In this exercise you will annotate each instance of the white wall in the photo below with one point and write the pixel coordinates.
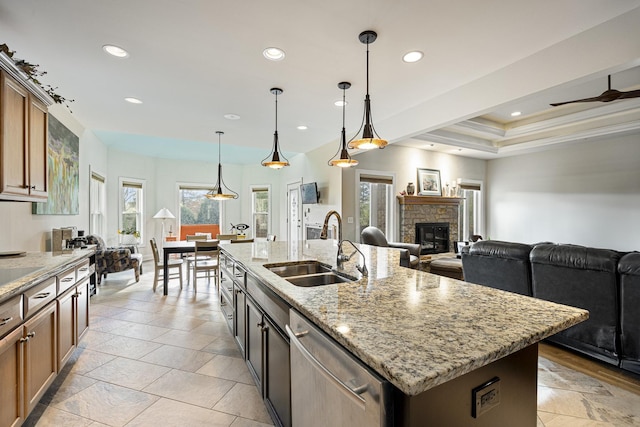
(586, 194)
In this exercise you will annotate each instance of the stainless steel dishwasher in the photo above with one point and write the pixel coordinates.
(329, 386)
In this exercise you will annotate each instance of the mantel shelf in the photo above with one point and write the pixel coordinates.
(429, 200)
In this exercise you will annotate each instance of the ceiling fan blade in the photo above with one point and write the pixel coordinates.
(595, 98)
(630, 94)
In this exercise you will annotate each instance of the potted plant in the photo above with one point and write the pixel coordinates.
(129, 236)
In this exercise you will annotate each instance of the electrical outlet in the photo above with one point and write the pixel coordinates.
(485, 397)
(350, 220)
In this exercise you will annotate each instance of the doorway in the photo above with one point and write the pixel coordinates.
(294, 213)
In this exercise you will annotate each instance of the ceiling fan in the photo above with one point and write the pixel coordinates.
(606, 96)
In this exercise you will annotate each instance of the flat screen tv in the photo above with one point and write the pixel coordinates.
(309, 193)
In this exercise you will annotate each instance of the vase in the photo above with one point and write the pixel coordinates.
(411, 189)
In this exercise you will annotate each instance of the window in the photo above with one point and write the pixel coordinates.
(261, 209)
(131, 208)
(97, 205)
(195, 208)
(376, 202)
(471, 213)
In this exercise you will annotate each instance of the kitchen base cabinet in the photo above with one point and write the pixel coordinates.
(66, 327)
(11, 379)
(81, 308)
(277, 381)
(40, 355)
(239, 318)
(255, 345)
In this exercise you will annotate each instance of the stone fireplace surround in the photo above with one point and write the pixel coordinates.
(417, 209)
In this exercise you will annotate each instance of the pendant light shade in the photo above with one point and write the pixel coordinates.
(275, 159)
(370, 138)
(342, 158)
(218, 192)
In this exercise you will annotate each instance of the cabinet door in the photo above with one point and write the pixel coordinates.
(37, 148)
(254, 345)
(13, 139)
(40, 359)
(11, 379)
(239, 327)
(277, 382)
(81, 308)
(66, 327)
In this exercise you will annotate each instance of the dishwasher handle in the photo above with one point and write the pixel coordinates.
(353, 394)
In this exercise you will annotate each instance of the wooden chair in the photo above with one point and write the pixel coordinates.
(210, 250)
(193, 237)
(174, 264)
(191, 258)
(231, 237)
(242, 241)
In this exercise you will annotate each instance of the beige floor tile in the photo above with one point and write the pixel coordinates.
(180, 322)
(88, 360)
(244, 401)
(188, 387)
(224, 345)
(53, 417)
(105, 324)
(72, 384)
(169, 413)
(106, 310)
(93, 338)
(108, 403)
(184, 359)
(185, 339)
(243, 422)
(128, 373)
(140, 331)
(218, 329)
(127, 347)
(135, 316)
(555, 420)
(228, 368)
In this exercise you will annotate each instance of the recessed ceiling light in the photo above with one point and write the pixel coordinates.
(413, 56)
(273, 54)
(340, 103)
(516, 113)
(231, 116)
(302, 127)
(133, 100)
(115, 51)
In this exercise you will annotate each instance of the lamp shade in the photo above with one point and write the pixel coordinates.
(164, 213)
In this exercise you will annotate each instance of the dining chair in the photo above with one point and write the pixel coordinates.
(174, 264)
(231, 237)
(210, 249)
(190, 259)
(193, 237)
(242, 241)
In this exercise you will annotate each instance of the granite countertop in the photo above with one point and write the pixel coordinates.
(415, 329)
(18, 274)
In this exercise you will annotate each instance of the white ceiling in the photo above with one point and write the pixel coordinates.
(193, 61)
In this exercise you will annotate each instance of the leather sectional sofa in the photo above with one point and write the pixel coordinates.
(603, 281)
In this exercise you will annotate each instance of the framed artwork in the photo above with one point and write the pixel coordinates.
(64, 176)
(429, 182)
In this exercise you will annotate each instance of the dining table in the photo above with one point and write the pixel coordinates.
(177, 247)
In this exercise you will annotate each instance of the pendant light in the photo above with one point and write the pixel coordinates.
(344, 160)
(370, 138)
(275, 154)
(216, 192)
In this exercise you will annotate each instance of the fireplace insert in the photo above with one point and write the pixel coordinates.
(433, 237)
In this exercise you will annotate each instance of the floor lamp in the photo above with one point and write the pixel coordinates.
(163, 214)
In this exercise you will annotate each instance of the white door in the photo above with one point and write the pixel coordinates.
(294, 216)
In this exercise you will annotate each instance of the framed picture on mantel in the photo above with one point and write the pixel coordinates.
(429, 182)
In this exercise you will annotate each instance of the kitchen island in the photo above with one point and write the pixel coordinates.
(429, 336)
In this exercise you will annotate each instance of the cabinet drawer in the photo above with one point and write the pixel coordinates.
(10, 314)
(39, 296)
(66, 280)
(82, 271)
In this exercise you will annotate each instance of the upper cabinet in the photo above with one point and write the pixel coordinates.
(23, 136)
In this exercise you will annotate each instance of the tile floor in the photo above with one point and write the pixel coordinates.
(150, 360)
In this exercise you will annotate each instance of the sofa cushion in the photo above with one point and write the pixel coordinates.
(498, 264)
(586, 278)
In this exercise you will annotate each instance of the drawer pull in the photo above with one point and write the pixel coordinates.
(67, 279)
(31, 334)
(223, 303)
(83, 269)
(23, 339)
(6, 320)
(42, 295)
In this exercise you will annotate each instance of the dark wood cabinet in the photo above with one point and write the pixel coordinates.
(277, 378)
(12, 374)
(239, 317)
(255, 345)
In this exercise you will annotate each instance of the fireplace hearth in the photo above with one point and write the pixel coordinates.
(433, 237)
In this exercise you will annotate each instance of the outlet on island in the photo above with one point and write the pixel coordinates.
(485, 397)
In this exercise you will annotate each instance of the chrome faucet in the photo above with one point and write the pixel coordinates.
(341, 257)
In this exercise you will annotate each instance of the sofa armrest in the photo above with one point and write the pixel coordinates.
(413, 248)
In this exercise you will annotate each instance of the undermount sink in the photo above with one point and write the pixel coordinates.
(307, 274)
(299, 269)
(318, 279)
